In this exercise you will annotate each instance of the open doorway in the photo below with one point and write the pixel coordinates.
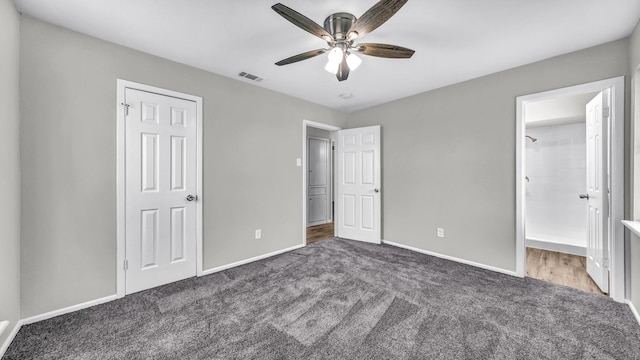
(320, 189)
(569, 186)
(556, 218)
(318, 181)
(357, 182)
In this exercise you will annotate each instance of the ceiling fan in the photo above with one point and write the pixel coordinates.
(340, 31)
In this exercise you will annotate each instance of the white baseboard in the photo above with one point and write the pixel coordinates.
(551, 246)
(10, 338)
(633, 310)
(451, 258)
(68, 309)
(3, 326)
(247, 261)
(49, 315)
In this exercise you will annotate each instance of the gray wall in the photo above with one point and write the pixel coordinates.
(449, 155)
(324, 134)
(252, 138)
(10, 165)
(633, 247)
(448, 159)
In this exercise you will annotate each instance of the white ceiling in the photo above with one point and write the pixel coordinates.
(455, 40)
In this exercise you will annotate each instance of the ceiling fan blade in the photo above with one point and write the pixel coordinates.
(302, 21)
(343, 70)
(377, 15)
(384, 50)
(300, 57)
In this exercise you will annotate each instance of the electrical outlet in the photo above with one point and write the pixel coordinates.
(258, 234)
(440, 232)
(298, 162)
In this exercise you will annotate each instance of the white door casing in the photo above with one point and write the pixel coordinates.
(358, 210)
(318, 181)
(597, 190)
(161, 223)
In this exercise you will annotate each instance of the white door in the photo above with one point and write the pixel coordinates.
(160, 176)
(358, 214)
(597, 191)
(317, 181)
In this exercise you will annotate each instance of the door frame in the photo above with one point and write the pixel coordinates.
(616, 263)
(121, 86)
(317, 125)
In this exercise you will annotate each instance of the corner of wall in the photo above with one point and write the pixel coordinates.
(10, 305)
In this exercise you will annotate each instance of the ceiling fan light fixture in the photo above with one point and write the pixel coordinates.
(332, 67)
(340, 31)
(335, 55)
(353, 61)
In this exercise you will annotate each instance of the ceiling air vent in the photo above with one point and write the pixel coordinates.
(250, 76)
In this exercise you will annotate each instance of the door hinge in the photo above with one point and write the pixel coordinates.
(605, 263)
(126, 108)
(606, 112)
(126, 265)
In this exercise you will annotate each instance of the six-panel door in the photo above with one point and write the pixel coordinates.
(160, 174)
(317, 181)
(597, 190)
(359, 210)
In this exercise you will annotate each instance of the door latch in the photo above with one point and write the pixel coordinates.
(192, 197)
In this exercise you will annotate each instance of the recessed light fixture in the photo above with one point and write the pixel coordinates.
(346, 96)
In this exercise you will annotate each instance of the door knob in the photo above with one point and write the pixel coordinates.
(376, 190)
(584, 196)
(192, 197)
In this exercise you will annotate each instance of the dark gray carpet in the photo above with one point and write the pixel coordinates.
(340, 299)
